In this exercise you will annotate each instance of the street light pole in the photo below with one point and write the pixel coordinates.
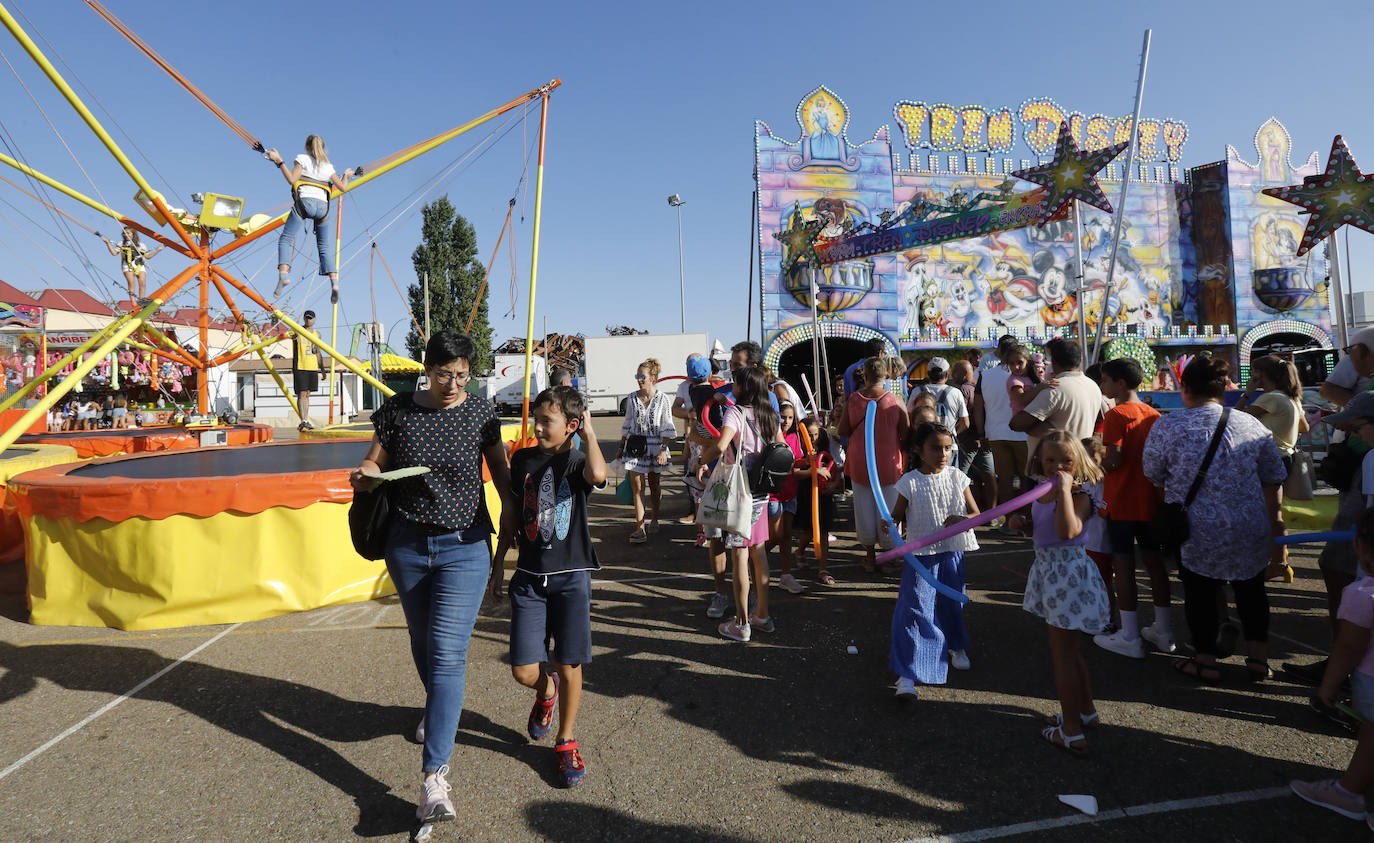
(677, 202)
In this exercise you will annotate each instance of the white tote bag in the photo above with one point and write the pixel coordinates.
(725, 502)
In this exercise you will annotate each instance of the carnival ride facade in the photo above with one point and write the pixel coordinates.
(206, 536)
(906, 239)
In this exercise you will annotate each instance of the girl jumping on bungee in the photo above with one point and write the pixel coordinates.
(310, 176)
(133, 256)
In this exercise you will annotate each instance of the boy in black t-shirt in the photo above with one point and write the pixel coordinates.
(550, 592)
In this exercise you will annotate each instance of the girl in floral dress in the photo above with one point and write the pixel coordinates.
(1064, 587)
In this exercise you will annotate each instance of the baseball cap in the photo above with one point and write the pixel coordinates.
(938, 364)
(309, 314)
(1359, 407)
(698, 368)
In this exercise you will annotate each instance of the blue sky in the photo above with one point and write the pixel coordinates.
(657, 99)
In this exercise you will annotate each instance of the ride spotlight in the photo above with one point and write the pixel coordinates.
(218, 211)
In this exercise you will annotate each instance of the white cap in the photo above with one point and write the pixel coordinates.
(938, 364)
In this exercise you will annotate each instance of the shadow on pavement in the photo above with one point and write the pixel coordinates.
(571, 821)
(242, 704)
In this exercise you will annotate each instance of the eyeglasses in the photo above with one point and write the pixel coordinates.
(1346, 351)
(446, 378)
(641, 377)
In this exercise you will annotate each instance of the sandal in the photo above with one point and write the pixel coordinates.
(824, 578)
(1071, 743)
(1258, 675)
(1057, 719)
(541, 713)
(1207, 674)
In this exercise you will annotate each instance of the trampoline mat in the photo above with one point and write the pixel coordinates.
(17, 453)
(231, 462)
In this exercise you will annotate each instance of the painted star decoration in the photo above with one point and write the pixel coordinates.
(1340, 195)
(1071, 175)
(799, 240)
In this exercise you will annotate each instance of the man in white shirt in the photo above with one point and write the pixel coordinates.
(950, 408)
(1073, 403)
(992, 417)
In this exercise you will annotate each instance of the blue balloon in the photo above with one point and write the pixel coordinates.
(1316, 538)
(886, 514)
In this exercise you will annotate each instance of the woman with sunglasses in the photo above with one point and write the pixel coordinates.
(648, 422)
(438, 551)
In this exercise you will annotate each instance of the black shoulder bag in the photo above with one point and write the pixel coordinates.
(1170, 524)
(369, 518)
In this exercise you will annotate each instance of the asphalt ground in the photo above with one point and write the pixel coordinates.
(297, 727)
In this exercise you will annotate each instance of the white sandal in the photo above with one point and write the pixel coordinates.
(1055, 735)
(1057, 719)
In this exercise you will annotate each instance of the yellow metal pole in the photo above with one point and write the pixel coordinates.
(332, 352)
(534, 268)
(333, 340)
(92, 204)
(334, 318)
(80, 108)
(439, 140)
(281, 384)
(74, 379)
(47, 373)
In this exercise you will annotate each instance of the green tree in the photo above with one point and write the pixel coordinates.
(448, 253)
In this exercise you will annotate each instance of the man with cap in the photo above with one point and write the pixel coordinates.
(305, 369)
(1352, 373)
(951, 410)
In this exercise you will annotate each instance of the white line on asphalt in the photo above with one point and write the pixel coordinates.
(1105, 816)
(114, 702)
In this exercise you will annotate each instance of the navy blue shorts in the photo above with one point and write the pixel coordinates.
(557, 607)
(1124, 536)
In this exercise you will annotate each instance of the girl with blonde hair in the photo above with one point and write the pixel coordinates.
(311, 176)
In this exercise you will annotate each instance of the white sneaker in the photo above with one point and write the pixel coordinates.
(1118, 643)
(435, 806)
(790, 584)
(420, 729)
(731, 629)
(958, 659)
(1325, 794)
(906, 689)
(1161, 638)
(719, 603)
(762, 624)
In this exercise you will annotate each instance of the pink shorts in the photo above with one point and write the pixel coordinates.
(759, 533)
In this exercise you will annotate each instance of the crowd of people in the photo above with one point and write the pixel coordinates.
(1105, 484)
(110, 411)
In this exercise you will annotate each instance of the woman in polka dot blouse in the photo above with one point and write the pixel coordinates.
(438, 551)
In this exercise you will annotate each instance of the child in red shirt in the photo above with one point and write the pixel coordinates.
(1131, 501)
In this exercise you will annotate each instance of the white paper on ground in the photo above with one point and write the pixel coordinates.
(1081, 801)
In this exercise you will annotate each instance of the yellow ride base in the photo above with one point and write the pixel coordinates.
(143, 574)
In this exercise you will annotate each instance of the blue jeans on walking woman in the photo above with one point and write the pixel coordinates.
(440, 580)
(319, 211)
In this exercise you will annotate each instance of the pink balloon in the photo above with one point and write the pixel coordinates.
(967, 524)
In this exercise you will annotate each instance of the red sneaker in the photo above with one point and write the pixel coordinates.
(571, 768)
(541, 715)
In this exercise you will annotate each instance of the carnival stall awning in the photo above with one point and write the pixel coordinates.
(396, 364)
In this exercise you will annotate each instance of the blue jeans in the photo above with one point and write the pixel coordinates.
(319, 211)
(440, 580)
